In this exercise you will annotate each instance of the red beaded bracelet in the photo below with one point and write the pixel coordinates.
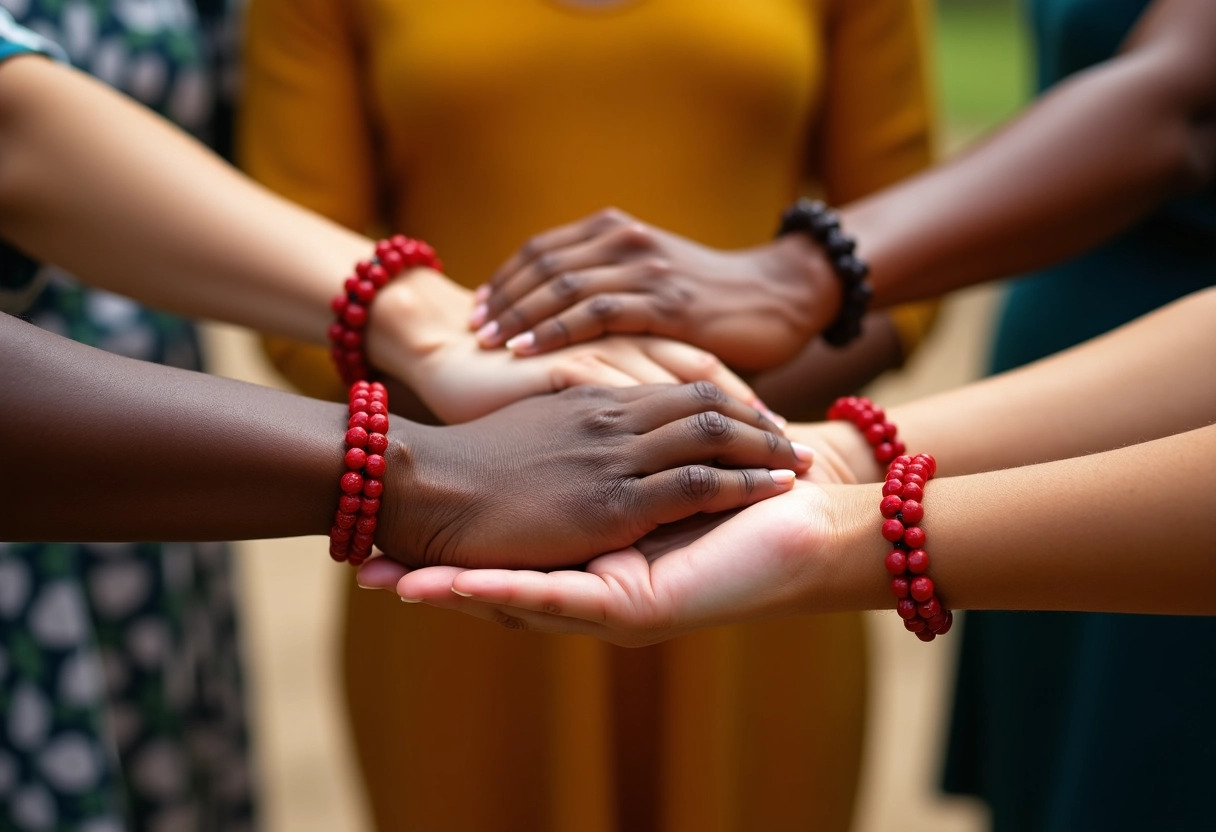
(871, 420)
(354, 529)
(393, 256)
(902, 509)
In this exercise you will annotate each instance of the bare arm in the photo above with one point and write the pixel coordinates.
(1094, 155)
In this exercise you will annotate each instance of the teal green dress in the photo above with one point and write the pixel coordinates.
(1067, 722)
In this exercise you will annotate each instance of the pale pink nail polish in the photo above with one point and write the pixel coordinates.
(522, 342)
(479, 315)
(488, 333)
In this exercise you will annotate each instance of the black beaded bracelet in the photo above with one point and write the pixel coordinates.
(823, 224)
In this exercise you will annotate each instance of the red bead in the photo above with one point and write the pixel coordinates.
(338, 553)
(349, 284)
(918, 469)
(357, 560)
(928, 609)
(896, 563)
(367, 525)
(376, 407)
(899, 446)
(912, 491)
(926, 635)
(355, 315)
(339, 304)
(890, 505)
(335, 331)
(378, 275)
(344, 520)
(377, 387)
(337, 533)
(374, 464)
(393, 261)
(352, 482)
(356, 458)
(906, 609)
(362, 267)
(914, 537)
(349, 503)
(914, 478)
(929, 462)
(937, 621)
(369, 505)
(382, 248)
(357, 438)
(358, 420)
(921, 588)
(941, 631)
(892, 530)
(365, 291)
(899, 587)
(864, 419)
(359, 405)
(378, 423)
(875, 433)
(918, 561)
(362, 541)
(892, 487)
(896, 472)
(914, 625)
(373, 488)
(377, 443)
(889, 430)
(884, 452)
(912, 511)
(352, 339)
(399, 241)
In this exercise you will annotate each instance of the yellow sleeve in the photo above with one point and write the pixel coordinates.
(304, 132)
(879, 114)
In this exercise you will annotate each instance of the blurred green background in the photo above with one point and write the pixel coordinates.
(983, 64)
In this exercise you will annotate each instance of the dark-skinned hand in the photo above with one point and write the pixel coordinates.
(556, 480)
(753, 308)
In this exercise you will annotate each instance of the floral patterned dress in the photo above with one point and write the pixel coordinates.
(120, 686)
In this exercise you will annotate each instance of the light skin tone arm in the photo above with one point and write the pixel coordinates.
(1120, 530)
(99, 447)
(137, 207)
(1093, 156)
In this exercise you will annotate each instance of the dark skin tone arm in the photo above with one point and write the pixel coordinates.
(98, 447)
(1095, 155)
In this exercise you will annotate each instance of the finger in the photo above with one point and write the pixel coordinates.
(583, 370)
(555, 238)
(567, 288)
(711, 437)
(574, 594)
(670, 404)
(602, 250)
(627, 357)
(682, 492)
(432, 584)
(626, 313)
(689, 363)
(380, 573)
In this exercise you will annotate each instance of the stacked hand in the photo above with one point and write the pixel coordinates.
(609, 273)
(557, 480)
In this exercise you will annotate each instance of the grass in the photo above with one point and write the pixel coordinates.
(983, 62)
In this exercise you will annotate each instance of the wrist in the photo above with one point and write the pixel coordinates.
(405, 327)
(853, 577)
(799, 256)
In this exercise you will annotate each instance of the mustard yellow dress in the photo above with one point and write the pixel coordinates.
(475, 124)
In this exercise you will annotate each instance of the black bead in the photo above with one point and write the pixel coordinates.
(838, 243)
(824, 222)
(851, 268)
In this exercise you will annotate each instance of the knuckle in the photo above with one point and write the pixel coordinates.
(635, 236)
(603, 307)
(611, 217)
(699, 482)
(774, 441)
(655, 268)
(548, 264)
(532, 247)
(604, 421)
(712, 426)
(707, 392)
(566, 284)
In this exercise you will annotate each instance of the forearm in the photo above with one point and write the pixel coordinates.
(98, 447)
(109, 191)
(1054, 536)
(1088, 160)
(1149, 379)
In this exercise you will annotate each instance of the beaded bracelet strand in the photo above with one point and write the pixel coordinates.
(902, 509)
(823, 225)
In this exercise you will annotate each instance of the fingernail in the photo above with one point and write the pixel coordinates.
(482, 294)
(479, 315)
(411, 600)
(782, 476)
(462, 594)
(804, 453)
(522, 342)
(487, 334)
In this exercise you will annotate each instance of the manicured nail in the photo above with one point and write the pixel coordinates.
(479, 315)
(782, 476)
(522, 342)
(482, 294)
(803, 452)
(487, 335)
(411, 600)
(462, 594)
